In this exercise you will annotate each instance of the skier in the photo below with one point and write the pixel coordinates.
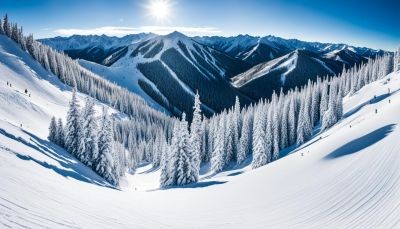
(26, 91)
(376, 111)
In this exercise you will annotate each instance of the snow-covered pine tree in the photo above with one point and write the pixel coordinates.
(245, 138)
(315, 104)
(170, 159)
(104, 163)
(236, 125)
(229, 135)
(196, 138)
(88, 151)
(60, 133)
(292, 123)
(269, 138)
(185, 173)
(304, 128)
(164, 167)
(1, 28)
(397, 60)
(73, 126)
(324, 100)
(260, 157)
(218, 155)
(205, 157)
(284, 124)
(53, 130)
(339, 105)
(6, 26)
(330, 116)
(275, 127)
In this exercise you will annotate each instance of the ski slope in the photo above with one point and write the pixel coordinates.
(343, 178)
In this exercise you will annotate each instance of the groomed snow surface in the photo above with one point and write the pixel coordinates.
(343, 178)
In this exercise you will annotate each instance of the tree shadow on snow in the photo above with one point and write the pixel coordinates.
(361, 142)
(68, 165)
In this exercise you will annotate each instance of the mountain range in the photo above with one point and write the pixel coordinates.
(168, 70)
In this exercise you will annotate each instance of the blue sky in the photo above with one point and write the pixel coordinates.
(374, 24)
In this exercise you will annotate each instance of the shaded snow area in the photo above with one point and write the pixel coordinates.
(345, 177)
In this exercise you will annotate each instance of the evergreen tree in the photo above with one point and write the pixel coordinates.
(324, 100)
(284, 125)
(104, 163)
(88, 151)
(304, 129)
(165, 173)
(269, 138)
(196, 138)
(236, 125)
(218, 159)
(6, 26)
(185, 173)
(260, 157)
(275, 128)
(73, 126)
(53, 130)
(1, 28)
(292, 121)
(330, 116)
(245, 140)
(229, 141)
(60, 133)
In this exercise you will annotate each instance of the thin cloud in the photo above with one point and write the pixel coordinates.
(121, 31)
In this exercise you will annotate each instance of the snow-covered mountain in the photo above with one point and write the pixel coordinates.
(256, 50)
(345, 177)
(93, 47)
(346, 55)
(152, 65)
(289, 71)
(170, 69)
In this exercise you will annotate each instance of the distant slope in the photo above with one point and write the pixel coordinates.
(93, 47)
(289, 71)
(256, 50)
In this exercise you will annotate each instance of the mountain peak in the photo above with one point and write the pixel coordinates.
(176, 34)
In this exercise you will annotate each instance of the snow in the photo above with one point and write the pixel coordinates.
(324, 65)
(347, 177)
(288, 62)
(92, 41)
(126, 76)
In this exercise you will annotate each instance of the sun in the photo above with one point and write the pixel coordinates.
(160, 9)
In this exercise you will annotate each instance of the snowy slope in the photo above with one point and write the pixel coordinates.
(347, 177)
(126, 76)
(49, 97)
(287, 72)
(93, 47)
